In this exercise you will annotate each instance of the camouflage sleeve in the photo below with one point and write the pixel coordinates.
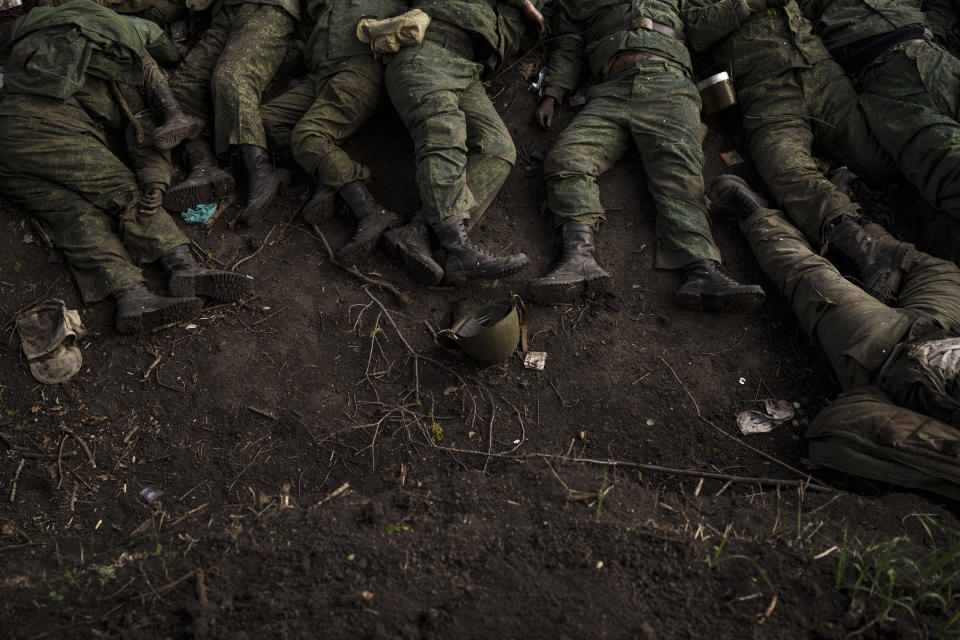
(708, 21)
(567, 64)
(813, 9)
(941, 17)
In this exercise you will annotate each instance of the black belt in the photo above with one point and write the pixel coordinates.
(857, 56)
(642, 23)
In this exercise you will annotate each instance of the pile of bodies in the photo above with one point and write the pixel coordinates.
(866, 82)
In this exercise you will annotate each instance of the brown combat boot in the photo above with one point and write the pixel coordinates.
(372, 220)
(263, 180)
(206, 183)
(175, 126)
(576, 273)
(880, 258)
(707, 288)
(187, 278)
(139, 309)
(466, 260)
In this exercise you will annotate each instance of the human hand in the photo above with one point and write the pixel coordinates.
(533, 16)
(546, 111)
(150, 202)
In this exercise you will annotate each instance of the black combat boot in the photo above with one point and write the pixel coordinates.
(372, 220)
(263, 182)
(731, 194)
(187, 278)
(410, 244)
(320, 206)
(708, 289)
(138, 309)
(577, 271)
(466, 260)
(206, 183)
(175, 126)
(880, 258)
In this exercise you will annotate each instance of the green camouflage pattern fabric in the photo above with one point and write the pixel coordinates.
(911, 99)
(290, 7)
(488, 19)
(315, 117)
(228, 70)
(857, 332)
(442, 102)
(334, 31)
(843, 22)
(56, 166)
(582, 42)
(656, 107)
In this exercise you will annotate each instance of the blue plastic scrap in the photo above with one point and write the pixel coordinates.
(199, 214)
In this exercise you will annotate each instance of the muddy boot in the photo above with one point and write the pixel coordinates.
(842, 178)
(577, 271)
(187, 278)
(372, 220)
(411, 245)
(206, 183)
(263, 180)
(466, 260)
(139, 309)
(176, 126)
(880, 258)
(320, 206)
(707, 288)
(731, 194)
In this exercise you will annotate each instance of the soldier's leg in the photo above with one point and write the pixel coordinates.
(856, 332)
(191, 81)
(491, 153)
(282, 114)
(780, 139)
(912, 103)
(932, 286)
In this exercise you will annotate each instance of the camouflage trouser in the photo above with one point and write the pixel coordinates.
(60, 170)
(232, 64)
(912, 101)
(856, 332)
(789, 115)
(321, 112)
(655, 106)
(463, 149)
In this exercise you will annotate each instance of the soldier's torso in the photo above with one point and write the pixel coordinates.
(843, 22)
(334, 34)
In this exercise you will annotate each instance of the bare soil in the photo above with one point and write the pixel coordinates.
(308, 491)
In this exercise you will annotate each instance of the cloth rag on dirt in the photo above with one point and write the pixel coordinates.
(48, 336)
(199, 214)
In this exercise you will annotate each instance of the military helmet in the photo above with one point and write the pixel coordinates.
(489, 333)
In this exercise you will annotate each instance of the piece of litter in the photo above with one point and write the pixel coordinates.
(731, 158)
(199, 213)
(779, 409)
(577, 100)
(535, 360)
(599, 564)
(517, 441)
(150, 493)
(776, 413)
(190, 326)
(743, 381)
(650, 422)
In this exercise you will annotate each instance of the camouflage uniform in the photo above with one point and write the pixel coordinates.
(56, 163)
(793, 97)
(869, 345)
(464, 152)
(159, 11)
(341, 92)
(651, 103)
(909, 89)
(232, 65)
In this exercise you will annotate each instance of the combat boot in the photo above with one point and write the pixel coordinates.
(263, 180)
(880, 258)
(187, 278)
(707, 288)
(175, 126)
(411, 245)
(320, 206)
(731, 194)
(577, 271)
(465, 260)
(139, 309)
(372, 220)
(206, 183)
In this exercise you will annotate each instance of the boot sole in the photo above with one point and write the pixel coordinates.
(423, 269)
(564, 291)
(255, 210)
(178, 310)
(357, 250)
(742, 302)
(221, 286)
(170, 138)
(180, 198)
(459, 277)
(320, 210)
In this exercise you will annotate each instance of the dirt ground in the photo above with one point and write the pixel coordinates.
(328, 471)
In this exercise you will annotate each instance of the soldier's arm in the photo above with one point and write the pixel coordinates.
(568, 62)
(708, 21)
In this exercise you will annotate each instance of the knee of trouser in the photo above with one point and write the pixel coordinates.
(228, 78)
(498, 147)
(306, 139)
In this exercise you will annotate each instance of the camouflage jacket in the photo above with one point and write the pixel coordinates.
(843, 22)
(290, 6)
(754, 44)
(584, 39)
(498, 22)
(334, 27)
